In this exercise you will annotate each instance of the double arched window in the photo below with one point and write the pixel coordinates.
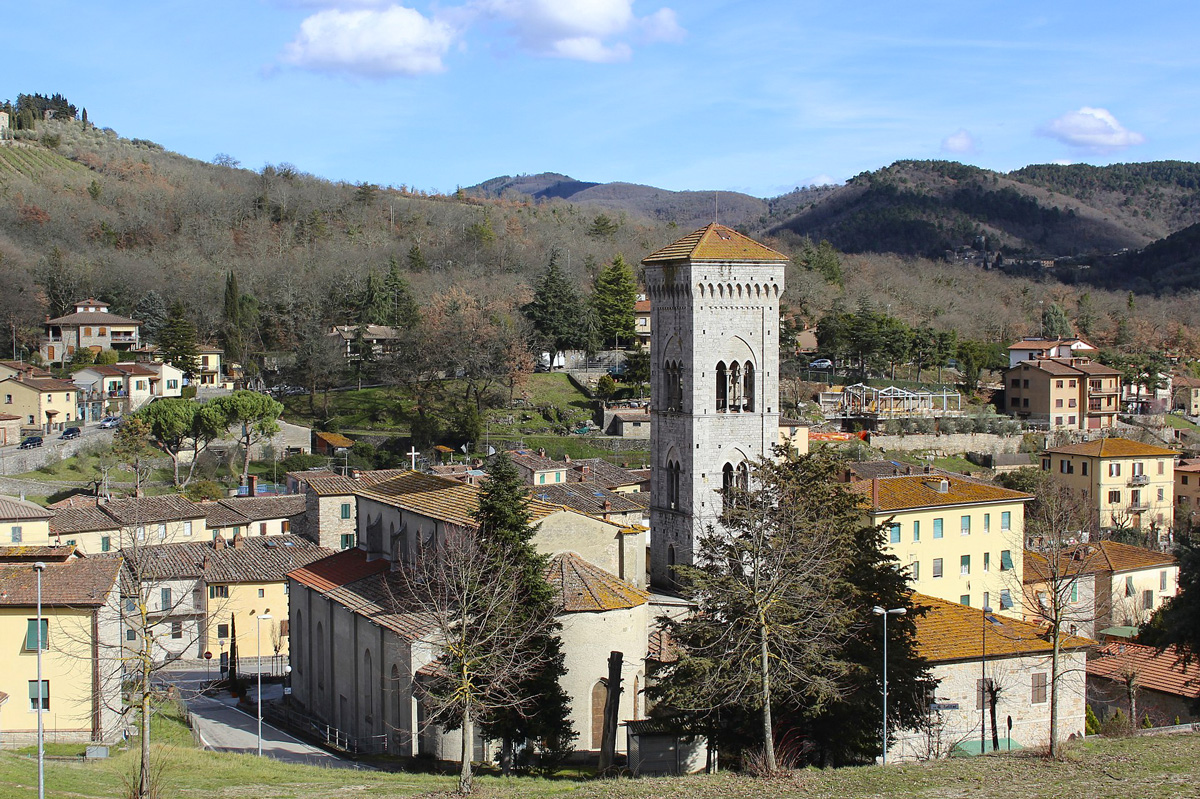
(672, 386)
(672, 474)
(735, 482)
(735, 387)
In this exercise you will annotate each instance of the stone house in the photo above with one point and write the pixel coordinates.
(1162, 685)
(89, 326)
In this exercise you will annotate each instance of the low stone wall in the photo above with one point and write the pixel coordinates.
(955, 443)
(18, 461)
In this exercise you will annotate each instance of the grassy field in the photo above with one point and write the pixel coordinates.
(1178, 422)
(1158, 767)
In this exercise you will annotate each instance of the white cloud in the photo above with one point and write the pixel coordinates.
(822, 180)
(1092, 129)
(377, 43)
(1062, 162)
(960, 142)
(580, 29)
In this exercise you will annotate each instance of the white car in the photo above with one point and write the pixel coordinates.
(821, 363)
(110, 421)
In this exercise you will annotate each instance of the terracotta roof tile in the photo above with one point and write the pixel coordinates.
(586, 498)
(1113, 448)
(25, 368)
(606, 474)
(218, 515)
(908, 492)
(151, 510)
(80, 500)
(79, 581)
(43, 384)
(340, 569)
(438, 498)
(535, 462)
(34, 552)
(715, 242)
(586, 588)
(336, 440)
(270, 506)
(81, 519)
(92, 317)
(948, 631)
(260, 559)
(1093, 558)
(13, 509)
(1163, 671)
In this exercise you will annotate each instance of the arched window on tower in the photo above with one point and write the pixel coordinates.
(722, 388)
(743, 477)
(748, 387)
(727, 485)
(678, 387)
(735, 387)
(671, 564)
(673, 472)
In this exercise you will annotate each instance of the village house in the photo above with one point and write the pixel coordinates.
(607, 475)
(1073, 584)
(1160, 685)
(379, 339)
(133, 521)
(90, 326)
(1126, 484)
(1063, 393)
(956, 536)
(1185, 395)
(23, 523)
(641, 322)
(356, 656)
(80, 638)
(41, 402)
(969, 649)
(10, 429)
(1187, 492)
(1036, 348)
(589, 498)
(331, 444)
(330, 516)
(21, 369)
(538, 470)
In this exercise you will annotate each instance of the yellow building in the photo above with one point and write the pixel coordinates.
(23, 523)
(80, 630)
(109, 525)
(1187, 492)
(1126, 484)
(1064, 393)
(41, 402)
(960, 539)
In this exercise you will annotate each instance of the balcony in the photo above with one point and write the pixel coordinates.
(1139, 480)
(1141, 506)
(124, 338)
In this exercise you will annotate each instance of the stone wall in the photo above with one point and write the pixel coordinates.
(18, 461)
(954, 443)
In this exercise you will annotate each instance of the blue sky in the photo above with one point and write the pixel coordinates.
(682, 94)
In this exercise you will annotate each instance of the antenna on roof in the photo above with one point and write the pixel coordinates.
(716, 206)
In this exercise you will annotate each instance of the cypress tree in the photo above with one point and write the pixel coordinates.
(504, 528)
(231, 322)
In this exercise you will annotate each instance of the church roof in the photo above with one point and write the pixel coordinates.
(715, 242)
(586, 588)
(439, 498)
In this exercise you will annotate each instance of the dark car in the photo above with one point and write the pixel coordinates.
(72, 432)
(31, 442)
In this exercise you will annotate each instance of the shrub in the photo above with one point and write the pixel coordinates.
(1091, 724)
(201, 490)
(1115, 725)
(303, 461)
(107, 357)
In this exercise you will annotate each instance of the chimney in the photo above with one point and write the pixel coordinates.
(585, 473)
(566, 458)
(207, 564)
(219, 543)
(541, 452)
(908, 470)
(607, 506)
(252, 485)
(239, 542)
(926, 468)
(874, 493)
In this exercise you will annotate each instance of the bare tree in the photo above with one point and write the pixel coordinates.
(471, 602)
(1058, 575)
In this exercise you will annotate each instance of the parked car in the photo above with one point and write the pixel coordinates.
(110, 422)
(30, 442)
(821, 363)
(71, 432)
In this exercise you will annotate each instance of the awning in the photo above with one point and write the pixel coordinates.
(1120, 632)
(971, 748)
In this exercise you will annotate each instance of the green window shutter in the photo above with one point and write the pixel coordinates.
(1006, 560)
(31, 640)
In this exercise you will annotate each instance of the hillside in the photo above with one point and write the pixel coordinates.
(923, 208)
(1166, 266)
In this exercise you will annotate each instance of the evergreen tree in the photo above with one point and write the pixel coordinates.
(373, 303)
(506, 534)
(177, 341)
(1085, 313)
(556, 310)
(151, 311)
(613, 297)
(416, 260)
(231, 320)
(1055, 323)
(403, 311)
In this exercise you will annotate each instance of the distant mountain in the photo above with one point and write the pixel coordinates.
(1167, 266)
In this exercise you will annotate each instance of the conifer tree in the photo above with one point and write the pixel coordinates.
(506, 534)
(373, 304)
(613, 297)
(177, 341)
(231, 320)
(416, 259)
(556, 310)
(403, 311)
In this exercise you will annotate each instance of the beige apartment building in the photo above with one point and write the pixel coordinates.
(1063, 393)
(960, 539)
(41, 402)
(1126, 484)
(90, 326)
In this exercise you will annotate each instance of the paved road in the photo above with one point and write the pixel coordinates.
(225, 728)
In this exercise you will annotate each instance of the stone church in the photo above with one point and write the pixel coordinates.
(715, 384)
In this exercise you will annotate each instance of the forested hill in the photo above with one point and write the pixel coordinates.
(1168, 266)
(928, 207)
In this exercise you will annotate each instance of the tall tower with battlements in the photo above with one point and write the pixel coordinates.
(714, 305)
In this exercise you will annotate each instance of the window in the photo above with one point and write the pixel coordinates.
(1058, 384)
(965, 599)
(103, 331)
(345, 510)
(141, 534)
(1160, 467)
(986, 599)
(262, 528)
(542, 478)
(165, 599)
(987, 562)
(176, 630)
(1161, 496)
(1162, 581)
(1038, 693)
(34, 694)
(286, 526)
(1005, 599)
(937, 567)
(16, 534)
(1057, 421)
(1065, 466)
(937, 528)
(915, 570)
(172, 384)
(916, 531)
(348, 541)
(131, 635)
(1183, 480)
(1045, 464)
(1006, 521)
(1025, 402)
(261, 593)
(284, 627)
(1074, 592)
(1071, 384)
(1148, 599)
(1083, 468)
(31, 635)
(1114, 497)
(1071, 403)
(1005, 560)
(1114, 470)
(1070, 420)
(1015, 383)
(162, 532)
(966, 525)
(218, 592)
(222, 630)
(1129, 590)
(964, 565)
(987, 523)
(187, 528)
(895, 534)
(1014, 401)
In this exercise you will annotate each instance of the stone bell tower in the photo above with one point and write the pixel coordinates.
(714, 374)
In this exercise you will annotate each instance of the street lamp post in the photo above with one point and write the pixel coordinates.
(879, 611)
(983, 684)
(258, 646)
(40, 567)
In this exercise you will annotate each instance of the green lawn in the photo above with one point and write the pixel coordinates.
(1178, 422)
(1158, 767)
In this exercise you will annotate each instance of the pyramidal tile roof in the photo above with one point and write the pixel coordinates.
(1113, 448)
(949, 631)
(715, 242)
(586, 588)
